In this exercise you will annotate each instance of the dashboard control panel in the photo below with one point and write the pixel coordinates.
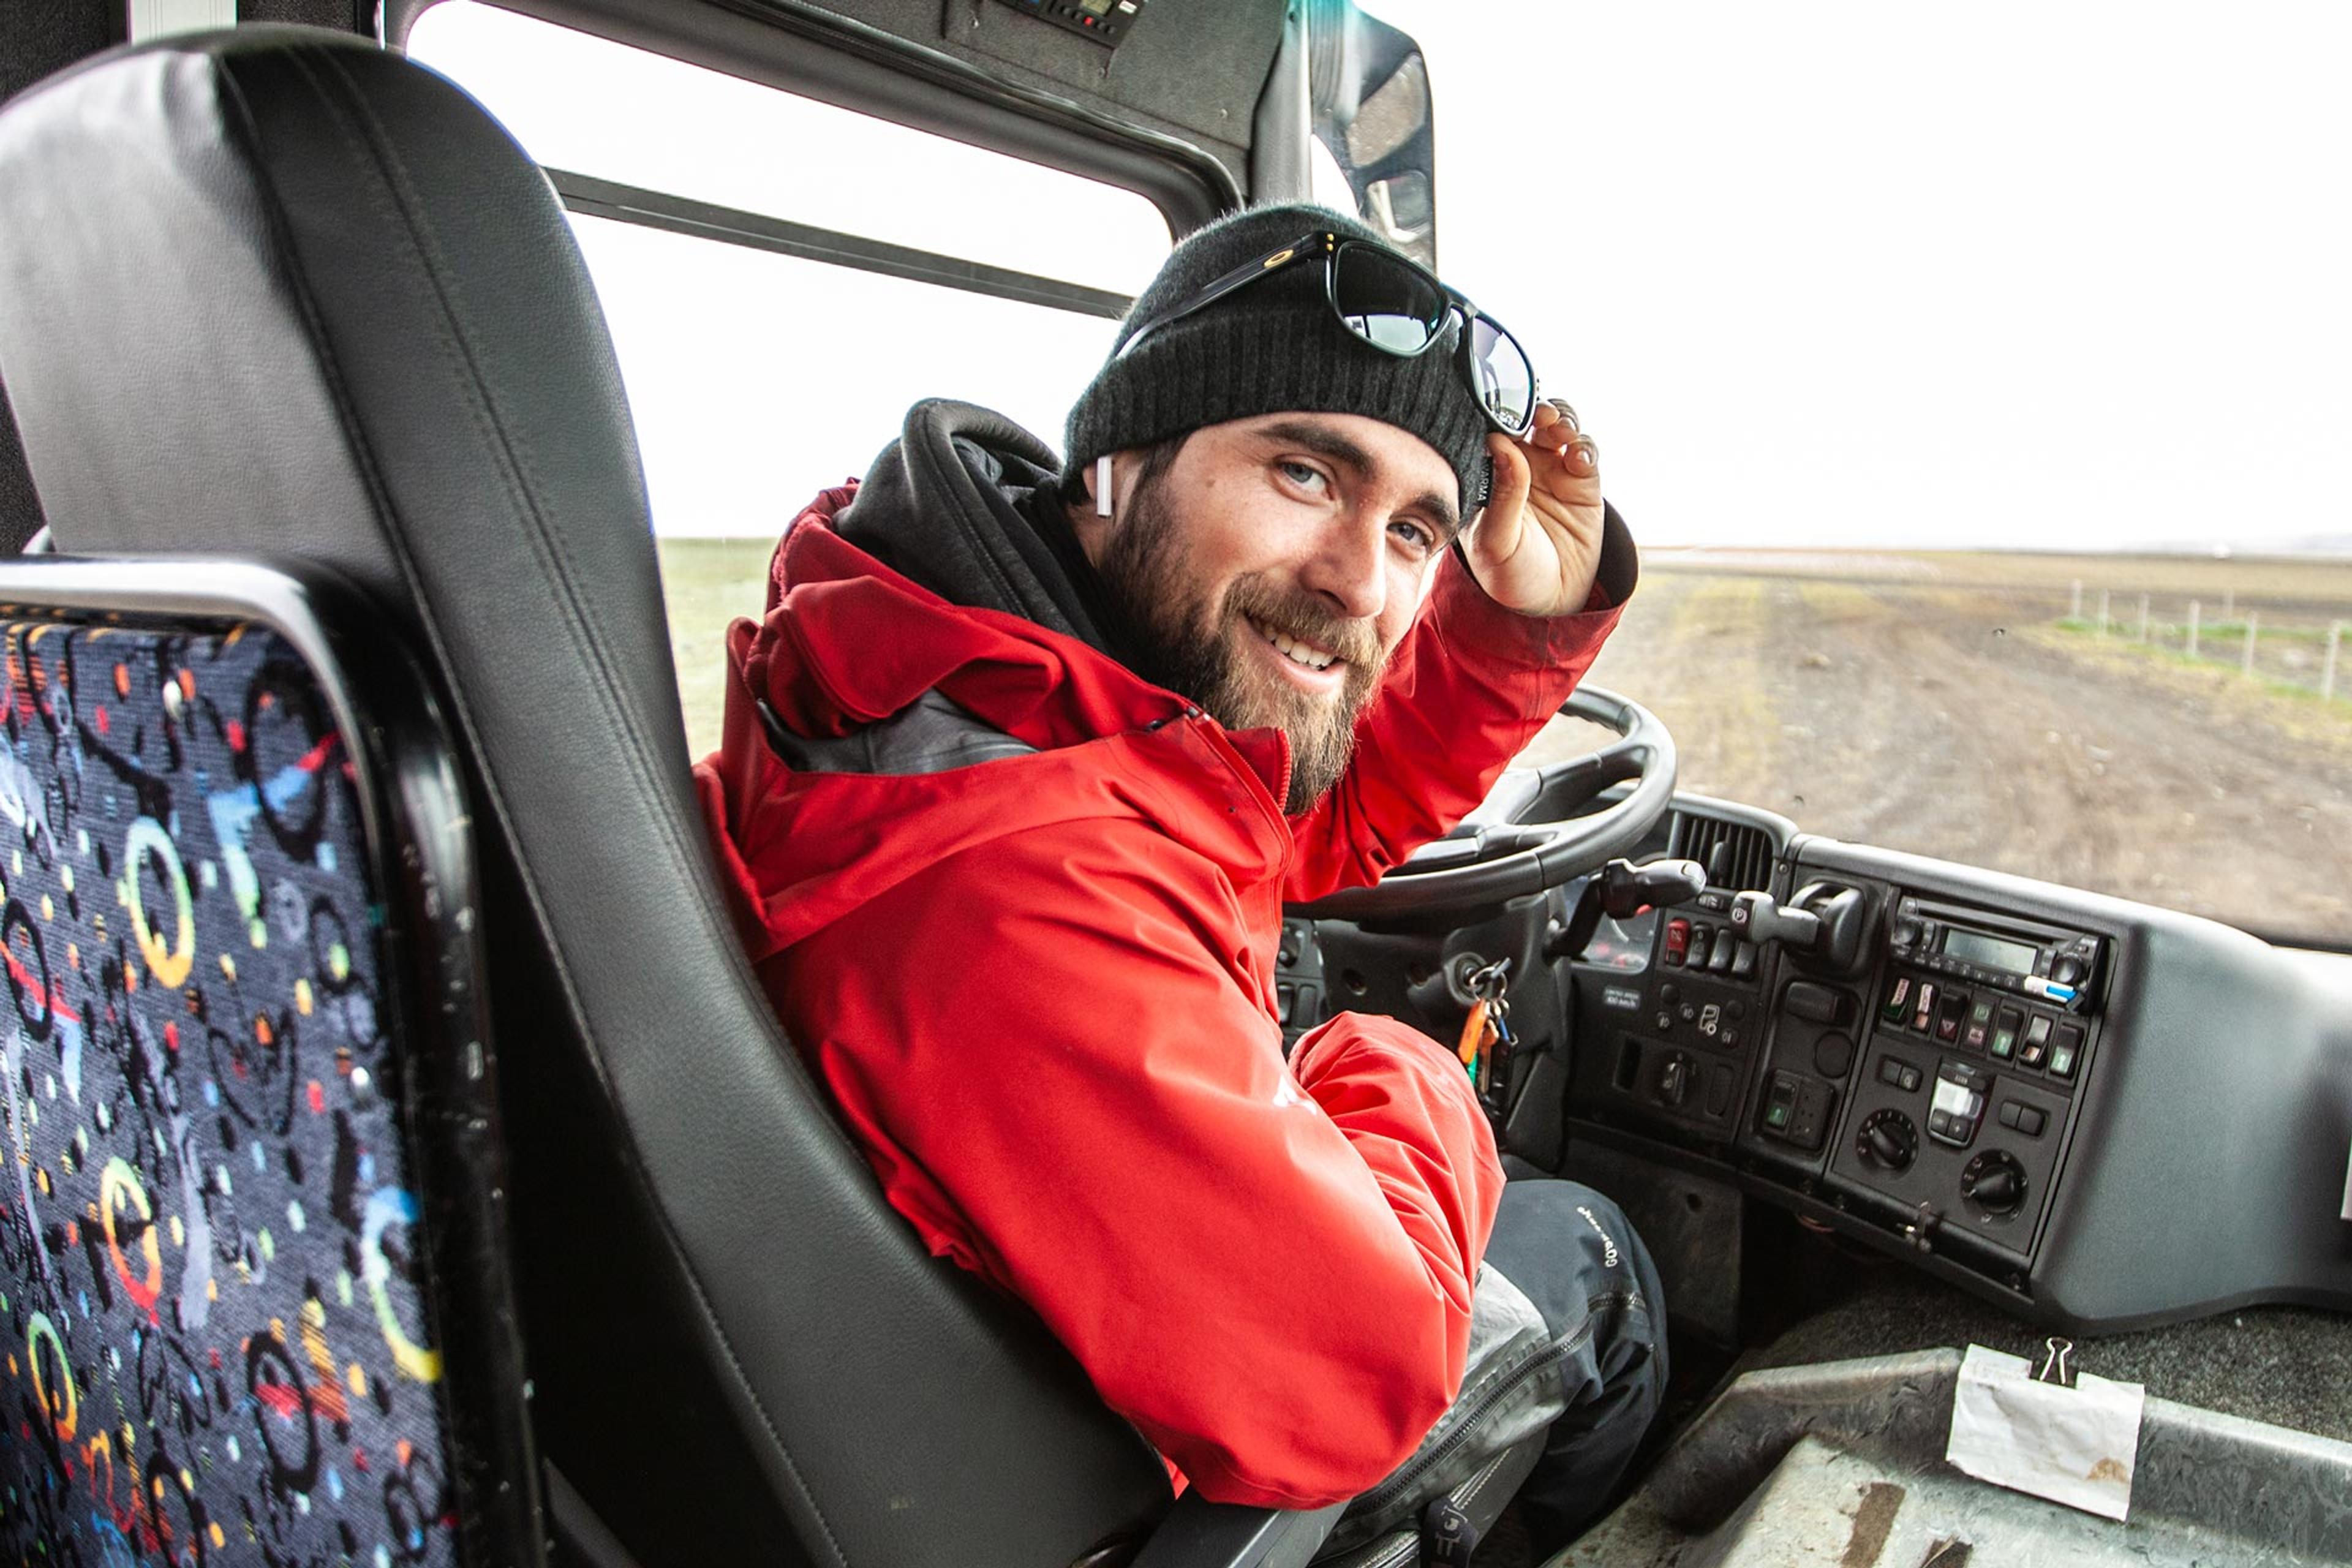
(1684, 1033)
(2008, 1083)
(1909, 1057)
(1934, 1089)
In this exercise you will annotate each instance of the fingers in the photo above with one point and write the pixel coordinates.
(1556, 431)
(1582, 456)
(1497, 532)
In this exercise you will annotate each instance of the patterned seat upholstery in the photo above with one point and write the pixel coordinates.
(225, 1306)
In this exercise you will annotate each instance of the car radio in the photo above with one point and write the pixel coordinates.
(2048, 964)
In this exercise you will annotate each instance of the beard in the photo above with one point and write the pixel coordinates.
(1200, 650)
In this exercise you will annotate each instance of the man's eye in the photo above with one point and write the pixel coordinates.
(1304, 475)
(1419, 538)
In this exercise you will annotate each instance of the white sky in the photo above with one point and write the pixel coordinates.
(2057, 275)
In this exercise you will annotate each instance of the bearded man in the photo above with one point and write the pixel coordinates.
(1019, 770)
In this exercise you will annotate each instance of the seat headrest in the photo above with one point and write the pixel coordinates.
(266, 287)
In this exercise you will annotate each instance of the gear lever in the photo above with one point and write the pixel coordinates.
(1826, 928)
(1621, 889)
(1756, 917)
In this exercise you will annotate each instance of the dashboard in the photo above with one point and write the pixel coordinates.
(2102, 1114)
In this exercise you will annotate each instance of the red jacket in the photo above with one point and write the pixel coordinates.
(1040, 988)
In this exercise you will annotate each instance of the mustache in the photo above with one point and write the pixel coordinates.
(1307, 619)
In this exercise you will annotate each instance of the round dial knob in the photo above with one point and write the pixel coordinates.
(2068, 970)
(1994, 1181)
(1887, 1142)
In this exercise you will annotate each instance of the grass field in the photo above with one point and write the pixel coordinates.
(1947, 704)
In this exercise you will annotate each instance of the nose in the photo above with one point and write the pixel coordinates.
(1349, 567)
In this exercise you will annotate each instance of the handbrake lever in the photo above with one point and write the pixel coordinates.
(1622, 889)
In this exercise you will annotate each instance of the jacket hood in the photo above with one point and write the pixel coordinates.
(964, 503)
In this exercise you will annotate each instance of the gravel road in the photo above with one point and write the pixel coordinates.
(1962, 723)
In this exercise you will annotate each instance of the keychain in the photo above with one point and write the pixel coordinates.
(1488, 1025)
(1478, 1038)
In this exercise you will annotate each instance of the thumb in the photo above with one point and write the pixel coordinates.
(1497, 532)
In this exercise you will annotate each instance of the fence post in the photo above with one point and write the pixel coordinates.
(2075, 613)
(2193, 609)
(2247, 666)
(2143, 618)
(2103, 612)
(2229, 603)
(2327, 670)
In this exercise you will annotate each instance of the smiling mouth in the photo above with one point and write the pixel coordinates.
(1297, 651)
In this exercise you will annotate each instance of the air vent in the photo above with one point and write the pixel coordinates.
(1737, 857)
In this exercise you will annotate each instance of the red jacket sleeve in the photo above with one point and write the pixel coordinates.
(1464, 692)
(1267, 1269)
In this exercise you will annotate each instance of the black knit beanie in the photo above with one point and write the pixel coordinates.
(1269, 347)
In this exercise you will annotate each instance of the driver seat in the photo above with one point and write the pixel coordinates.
(275, 293)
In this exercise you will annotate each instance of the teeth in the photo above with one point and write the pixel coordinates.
(1291, 648)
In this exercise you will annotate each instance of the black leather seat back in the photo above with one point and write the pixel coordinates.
(276, 291)
(250, 1261)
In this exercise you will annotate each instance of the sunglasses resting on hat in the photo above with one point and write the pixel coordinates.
(1398, 307)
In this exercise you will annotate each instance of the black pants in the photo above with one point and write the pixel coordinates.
(1573, 1254)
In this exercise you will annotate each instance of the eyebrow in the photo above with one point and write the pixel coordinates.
(1325, 442)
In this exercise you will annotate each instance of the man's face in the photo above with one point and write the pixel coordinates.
(1273, 565)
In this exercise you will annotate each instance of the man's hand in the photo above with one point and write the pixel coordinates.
(1536, 546)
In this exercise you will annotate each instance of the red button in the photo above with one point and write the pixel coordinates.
(1678, 940)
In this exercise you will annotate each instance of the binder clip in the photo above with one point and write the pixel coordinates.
(2057, 1364)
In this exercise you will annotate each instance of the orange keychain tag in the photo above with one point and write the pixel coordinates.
(1477, 1034)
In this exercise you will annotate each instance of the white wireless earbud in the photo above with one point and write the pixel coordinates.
(1102, 485)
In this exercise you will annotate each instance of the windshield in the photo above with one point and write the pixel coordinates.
(1974, 381)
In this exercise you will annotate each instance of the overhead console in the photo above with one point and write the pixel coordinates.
(2102, 1113)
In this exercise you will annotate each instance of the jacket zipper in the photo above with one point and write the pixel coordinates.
(1380, 1497)
(1405, 1550)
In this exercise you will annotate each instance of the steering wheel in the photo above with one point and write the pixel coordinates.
(1493, 856)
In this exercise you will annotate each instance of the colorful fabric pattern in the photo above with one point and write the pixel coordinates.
(217, 1349)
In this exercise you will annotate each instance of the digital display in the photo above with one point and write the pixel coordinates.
(2017, 957)
(1099, 8)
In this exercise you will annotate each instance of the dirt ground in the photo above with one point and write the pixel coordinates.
(1962, 723)
(1935, 703)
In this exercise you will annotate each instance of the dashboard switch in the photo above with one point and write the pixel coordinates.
(2004, 1033)
(1924, 1012)
(1678, 940)
(1674, 1080)
(1814, 1003)
(2066, 1051)
(1887, 1141)
(1995, 1183)
(1947, 1017)
(1743, 960)
(1798, 1110)
(1959, 1105)
(2037, 1041)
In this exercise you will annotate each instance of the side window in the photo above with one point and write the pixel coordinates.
(757, 375)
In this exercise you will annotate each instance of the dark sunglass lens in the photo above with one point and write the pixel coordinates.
(1507, 382)
(1387, 303)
